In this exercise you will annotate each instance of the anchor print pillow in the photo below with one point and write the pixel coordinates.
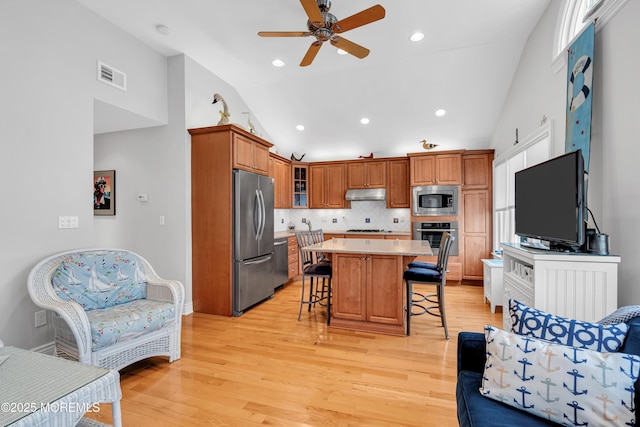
(536, 323)
(566, 385)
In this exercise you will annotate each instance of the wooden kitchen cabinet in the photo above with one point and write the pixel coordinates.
(477, 169)
(280, 171)
(374, 295)
(215, 152)
(476, 201)
(436, 169)
(327, 185)
(366, 174)
(249, 154)
(300, 176)
(294, 257)
(398, 187)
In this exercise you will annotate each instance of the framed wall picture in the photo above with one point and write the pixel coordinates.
(104, 192)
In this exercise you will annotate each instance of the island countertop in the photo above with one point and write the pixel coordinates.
(373, 246)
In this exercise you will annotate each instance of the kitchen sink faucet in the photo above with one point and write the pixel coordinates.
(309, 224)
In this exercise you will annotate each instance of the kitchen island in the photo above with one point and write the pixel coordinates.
(368, 292)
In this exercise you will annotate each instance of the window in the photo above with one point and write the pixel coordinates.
(574, 16)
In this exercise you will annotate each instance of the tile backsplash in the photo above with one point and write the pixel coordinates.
(343, 219)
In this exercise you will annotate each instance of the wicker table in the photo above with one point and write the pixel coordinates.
(41, 390)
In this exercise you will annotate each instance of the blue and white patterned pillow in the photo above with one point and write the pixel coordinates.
(99, 279)
(536, 323)
(563, 384)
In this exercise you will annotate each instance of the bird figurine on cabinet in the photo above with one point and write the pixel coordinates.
(427, 145)
(370, 156)
(224, 115)
(295, 159)
(252, 128)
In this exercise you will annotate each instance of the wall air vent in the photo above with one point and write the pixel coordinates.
(109, 75)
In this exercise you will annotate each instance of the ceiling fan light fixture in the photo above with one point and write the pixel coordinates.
(341, 52)
(441, 112)
(277, 63)
(416, 37)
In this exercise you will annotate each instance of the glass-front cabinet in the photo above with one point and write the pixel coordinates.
(300, 186)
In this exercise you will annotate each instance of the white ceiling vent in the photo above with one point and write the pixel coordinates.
(109, 75)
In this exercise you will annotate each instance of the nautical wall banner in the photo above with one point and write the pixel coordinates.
(579, 94)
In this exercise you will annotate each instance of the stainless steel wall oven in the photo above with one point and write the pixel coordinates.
(432, 231)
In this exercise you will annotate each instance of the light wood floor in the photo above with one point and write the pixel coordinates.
(266, 368)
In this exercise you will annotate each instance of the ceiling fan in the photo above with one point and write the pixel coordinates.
(325, 26)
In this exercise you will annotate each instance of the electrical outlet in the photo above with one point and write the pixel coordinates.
(395, 220)
(334, 220)
(304, 220)
(41, 318)
(282, 221)
(367, 220)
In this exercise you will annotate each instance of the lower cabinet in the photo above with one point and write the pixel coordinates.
(368, 292)
(294, 257)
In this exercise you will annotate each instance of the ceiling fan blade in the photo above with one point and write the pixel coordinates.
(311, 53)
(284, 33)
(313, 12)
(350, 47)
(374, 13)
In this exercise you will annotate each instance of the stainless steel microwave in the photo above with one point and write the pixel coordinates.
(435, 200)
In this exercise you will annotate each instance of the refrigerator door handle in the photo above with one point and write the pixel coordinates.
(257, 212)
(260, 261)
(263, 214)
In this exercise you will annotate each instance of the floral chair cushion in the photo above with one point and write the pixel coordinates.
(98, 280)
(127, 321)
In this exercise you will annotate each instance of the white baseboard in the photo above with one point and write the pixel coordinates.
(187, 308)
(48, 348)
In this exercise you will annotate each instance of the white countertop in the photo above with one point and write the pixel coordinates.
(373, 246)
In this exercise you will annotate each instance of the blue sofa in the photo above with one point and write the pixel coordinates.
(477, 410)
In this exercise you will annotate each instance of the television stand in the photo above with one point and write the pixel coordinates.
(574, 285)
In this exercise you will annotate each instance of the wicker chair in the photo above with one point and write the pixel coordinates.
(127, 291)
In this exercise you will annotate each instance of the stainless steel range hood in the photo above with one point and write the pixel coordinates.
(367, 194)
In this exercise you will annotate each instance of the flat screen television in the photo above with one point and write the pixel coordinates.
(550, 203)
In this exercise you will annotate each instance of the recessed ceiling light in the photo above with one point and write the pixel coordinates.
(278, 63)
(162, 29)
(416, 37)
(440, 113)
(364, 121)
(300, 127)
(342, 52)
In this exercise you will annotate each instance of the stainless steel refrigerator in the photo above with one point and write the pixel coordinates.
(253, 250)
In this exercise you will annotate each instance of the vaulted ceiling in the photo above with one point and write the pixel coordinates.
(464, 65)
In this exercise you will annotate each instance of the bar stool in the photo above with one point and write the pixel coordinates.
(425, 276)
(314, 266)
(431, 266)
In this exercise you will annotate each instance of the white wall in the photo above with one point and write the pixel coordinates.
(49, 52)
(613, 173)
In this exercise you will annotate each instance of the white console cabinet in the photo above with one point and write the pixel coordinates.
(577, 286)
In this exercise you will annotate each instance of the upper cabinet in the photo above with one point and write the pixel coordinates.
(436, 169)
(477, 169)
(327, 185)
(300, 175)
(366, 174)
(280, 171)
(398, 189)
(250, 154)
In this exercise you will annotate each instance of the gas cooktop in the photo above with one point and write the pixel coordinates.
(364, 230)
